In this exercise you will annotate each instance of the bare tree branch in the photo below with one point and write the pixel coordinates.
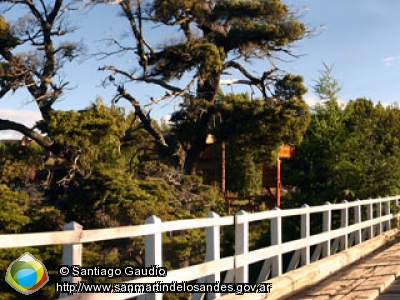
(46, 21)
(56, 9)
(34, 10)
(146, 121)
(41, 140)
(175, 94)
(121, 49)
(239, 67)
(137, 32)
(261, 82)
(44, 7)
(146, 79)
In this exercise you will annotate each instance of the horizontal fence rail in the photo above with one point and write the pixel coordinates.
(357, 221)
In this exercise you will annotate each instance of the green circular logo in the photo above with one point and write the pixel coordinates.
(27, 274)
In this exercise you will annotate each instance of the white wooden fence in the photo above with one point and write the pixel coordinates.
(359, 221)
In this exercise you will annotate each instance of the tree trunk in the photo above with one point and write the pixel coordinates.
(207, 89)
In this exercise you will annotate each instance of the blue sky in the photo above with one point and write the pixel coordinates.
(360, 38)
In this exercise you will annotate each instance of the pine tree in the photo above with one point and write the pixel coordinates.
(215, 38)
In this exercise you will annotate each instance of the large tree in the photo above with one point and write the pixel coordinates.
(212, 39)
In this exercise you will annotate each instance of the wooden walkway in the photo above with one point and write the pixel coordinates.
(374, 277)
(392, 292)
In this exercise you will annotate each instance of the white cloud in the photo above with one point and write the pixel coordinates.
(166, 120)
(342, 103)
(312, 101)
(388, 61)
(26, 117)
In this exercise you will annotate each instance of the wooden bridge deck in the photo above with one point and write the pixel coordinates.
(392, 292)
(377, 276)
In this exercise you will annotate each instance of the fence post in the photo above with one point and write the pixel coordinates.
(379, 226)
(305, 233)
(213, 251)
(241, 247)
(72, 254)
(326, 227)
(370, 214)
(387, 212)
(396, 205)
(357, 220)
(344, 222)
(276, 239)
(153, 251)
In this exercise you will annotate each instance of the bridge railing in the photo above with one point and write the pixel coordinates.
(358, 221)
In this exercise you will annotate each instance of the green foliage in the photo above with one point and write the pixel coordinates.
(6, 38)
(214, 38)
(253, 133)
(323, 151)
(350, 154)
(374, 129)
(252, 129)
(251, 28)
(243, 174)
(251, 124)
(13, 204)
(290, 91)
(4, 26)
(112, 198)
(327, 87)
(82, 133)
(108, 179)
(290, 87)
(248, 125)
(124, 185)
(18, 163)
(19, 216)
(206, 57)
(260, 25)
